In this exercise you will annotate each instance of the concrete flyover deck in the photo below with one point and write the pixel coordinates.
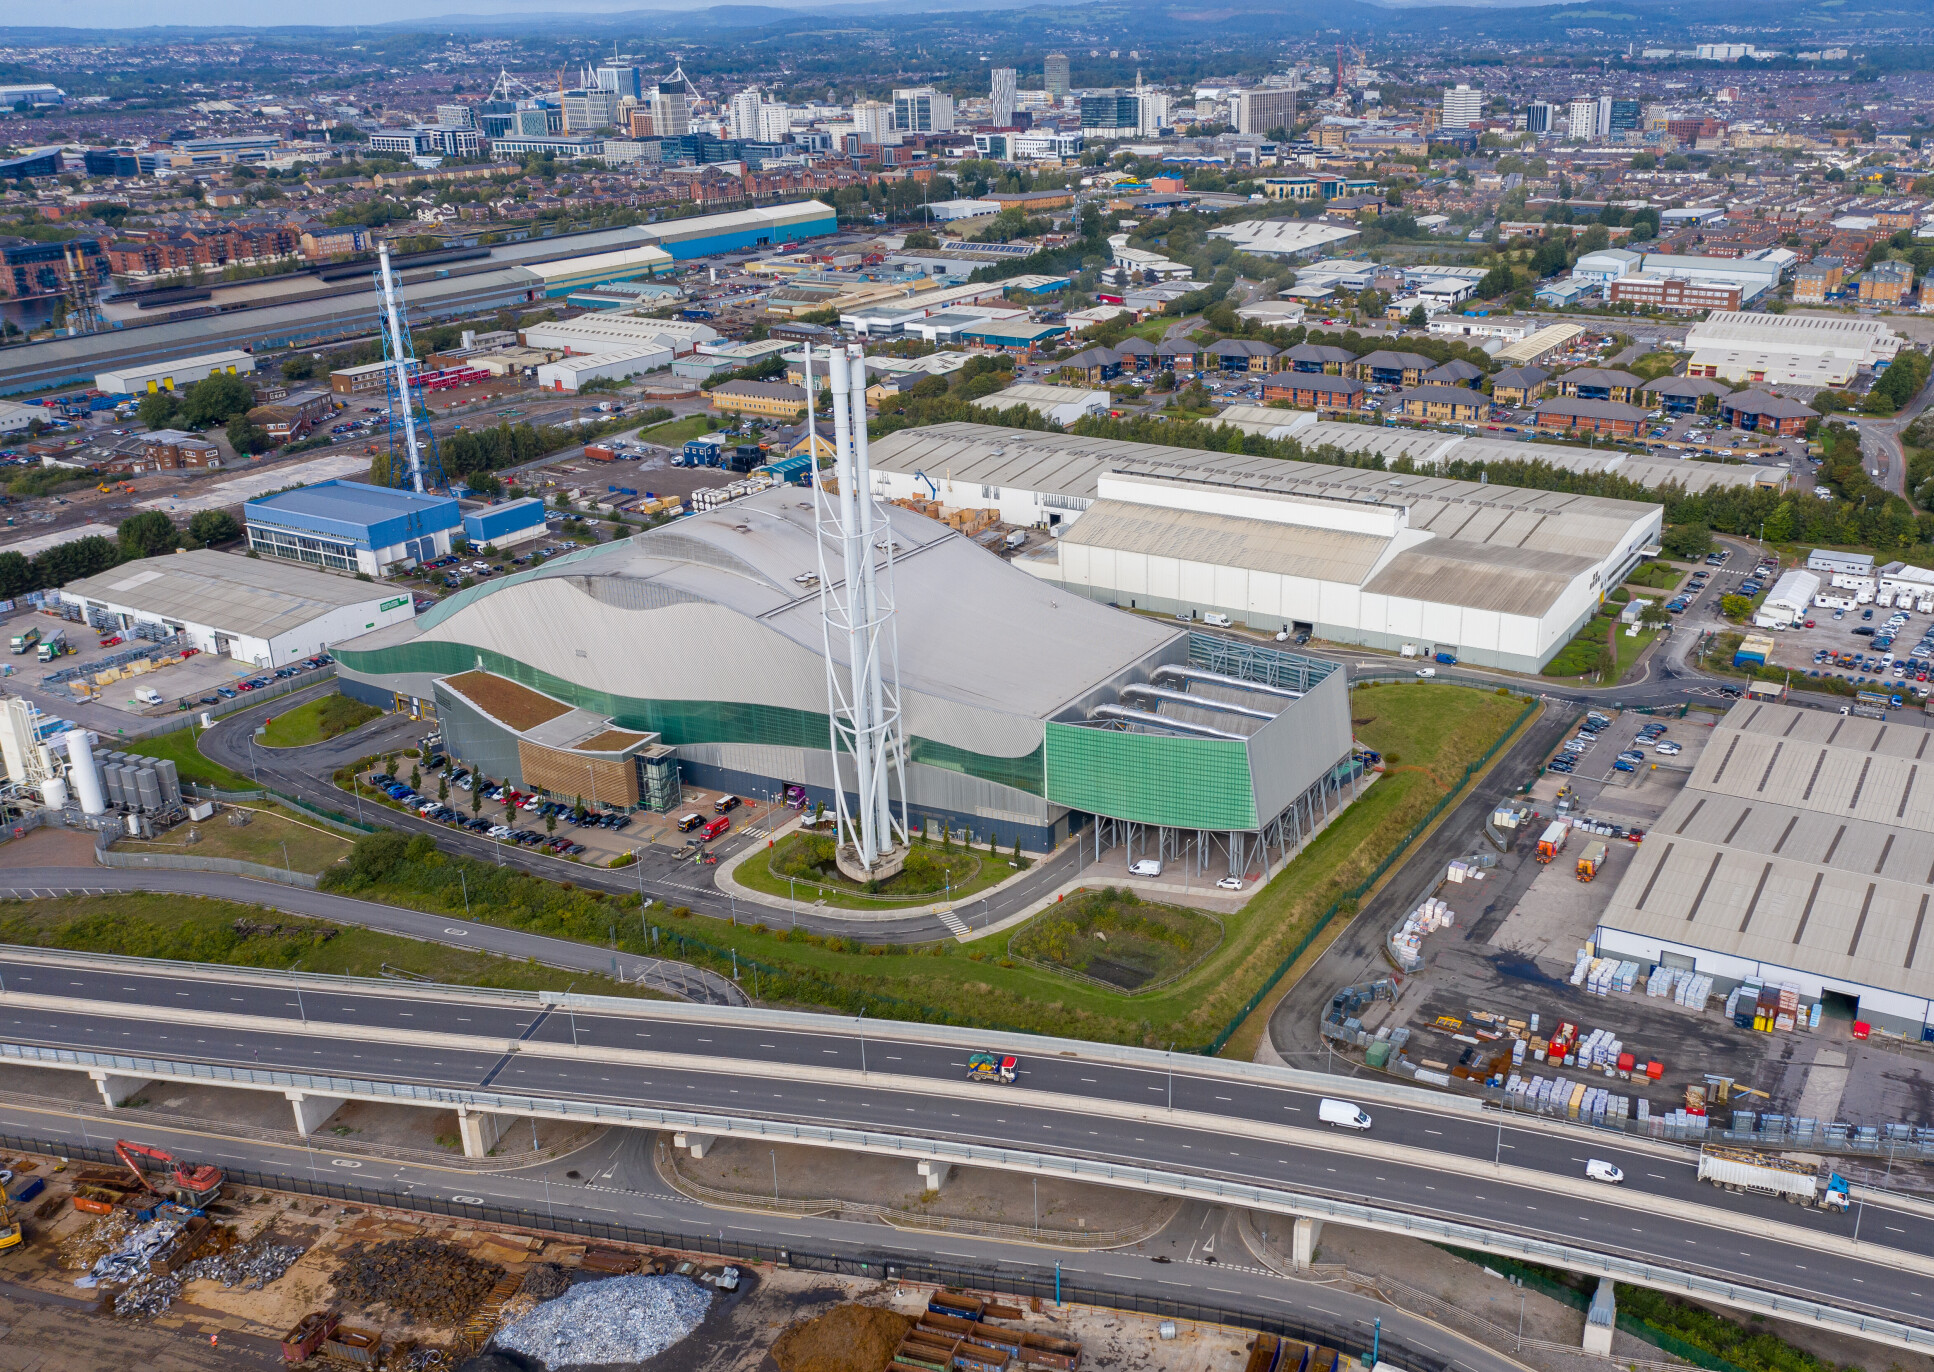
(1202, 1129)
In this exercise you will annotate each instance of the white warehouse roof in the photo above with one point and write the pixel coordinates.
(255, 597)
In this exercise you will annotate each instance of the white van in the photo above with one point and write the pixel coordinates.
(1215, 620)
(147, 695)
(1342, 1114)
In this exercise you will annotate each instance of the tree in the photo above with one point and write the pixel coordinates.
(1495, 282)
(1735, 607)
(1652, 616)
(922, 238)
(248, 438)
(1644, 161)
(216, 399)
(147, 534)
(476, 794)
(443, 788)
(16, 575)
(158, 410)
(1686, 541)
(1417, 318)
(214, 526)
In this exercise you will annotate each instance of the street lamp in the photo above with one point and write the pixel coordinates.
(287, 867)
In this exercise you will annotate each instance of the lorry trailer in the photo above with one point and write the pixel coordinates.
(1736, 1169)
(1592, 860)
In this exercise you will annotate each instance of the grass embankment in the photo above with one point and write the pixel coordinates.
(934, 872)
(179, 748)
(310, 847)
(196, 929)
(1428, 733)
(317, 720)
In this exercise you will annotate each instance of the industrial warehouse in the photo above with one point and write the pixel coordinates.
(248, 315)
(1502, 576)
(1028, 713)
(1801, 851)
(251, 610)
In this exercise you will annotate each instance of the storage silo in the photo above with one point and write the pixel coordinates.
(82, 772)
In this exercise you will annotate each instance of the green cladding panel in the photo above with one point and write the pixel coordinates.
(1185, 783)
(680, 721)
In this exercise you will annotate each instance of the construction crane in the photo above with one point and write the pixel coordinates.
(192, 1185)
(1344, 70)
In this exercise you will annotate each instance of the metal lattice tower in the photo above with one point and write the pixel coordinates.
(856, 613)
(421, 469)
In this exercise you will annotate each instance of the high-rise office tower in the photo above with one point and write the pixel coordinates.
(922, 109)
(620, 79)
(1056, 72)
(1006, 95)
(671, 116)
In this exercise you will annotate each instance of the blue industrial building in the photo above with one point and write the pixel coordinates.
(501, 526)
(761, 228)
(348, 526)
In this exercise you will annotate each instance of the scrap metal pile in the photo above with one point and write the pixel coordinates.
(428, 1281)
(620, 1320)
(251, 1268)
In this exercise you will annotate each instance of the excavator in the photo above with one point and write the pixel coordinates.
(193, 1186)
(9, 1226)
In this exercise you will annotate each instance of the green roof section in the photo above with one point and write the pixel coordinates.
(1185, 783)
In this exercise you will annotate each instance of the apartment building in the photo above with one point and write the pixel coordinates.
(1887, 283)
(1818, 279)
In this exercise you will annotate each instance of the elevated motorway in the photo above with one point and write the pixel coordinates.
(1236, 1134)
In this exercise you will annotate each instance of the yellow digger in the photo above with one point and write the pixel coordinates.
(9, 1226)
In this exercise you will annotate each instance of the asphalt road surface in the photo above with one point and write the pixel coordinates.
(613, 1181)
(1559, 1204)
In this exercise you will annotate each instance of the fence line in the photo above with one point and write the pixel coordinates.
(1356, 893)
(188, 862)
(188, 719)
(997, 1278)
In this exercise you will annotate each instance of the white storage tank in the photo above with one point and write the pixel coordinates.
(82, 773)
(54, 793)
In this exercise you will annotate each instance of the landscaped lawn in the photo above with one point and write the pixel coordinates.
(1430, 731)
(179, 748)
(311, 846)
(317, 720)
(1659, 576)
(197, 929)
(808, 859)
(675, 433)
(1629, 648)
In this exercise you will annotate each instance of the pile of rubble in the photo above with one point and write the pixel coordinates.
(622, 1320)
(426, 1280)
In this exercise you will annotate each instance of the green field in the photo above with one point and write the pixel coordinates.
(317, 720)
(179, 748)
(1629, 649)
(1428, 733)
(310, 846)
(197, 929)
(674, 433)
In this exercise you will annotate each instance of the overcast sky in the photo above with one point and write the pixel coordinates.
(123, 14)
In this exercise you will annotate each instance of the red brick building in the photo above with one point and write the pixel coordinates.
(1608, 417)
(1314, 390)
(1674, 295)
